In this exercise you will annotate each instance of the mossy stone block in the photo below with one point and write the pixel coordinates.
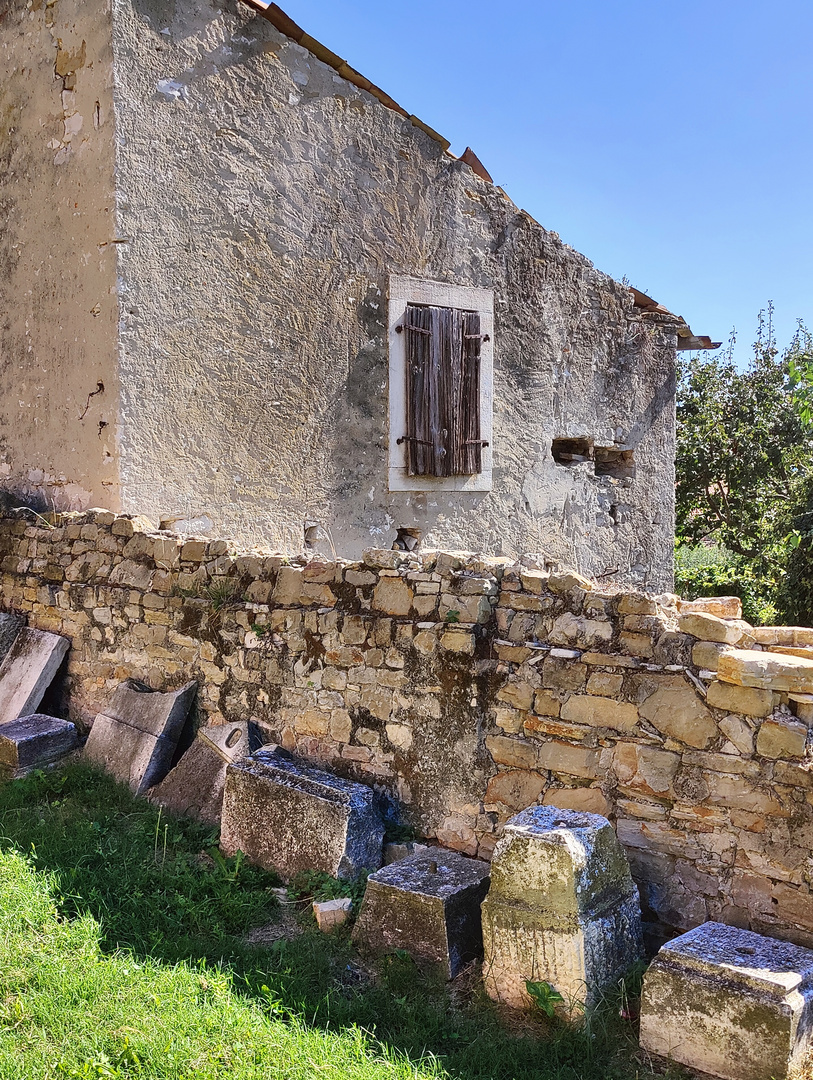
(429, 905)
(730, 1003)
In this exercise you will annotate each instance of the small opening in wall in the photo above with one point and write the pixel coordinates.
(571, 451)
(612, 462)
(406, 540)
(311, 535)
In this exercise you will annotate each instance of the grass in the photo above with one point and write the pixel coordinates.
(124, 954)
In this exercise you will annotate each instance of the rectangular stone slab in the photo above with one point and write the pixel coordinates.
(136, 741)
(428, 904)
(31, 742)
(730, 1003)
(286, 816)
(769, 670)
(27, 670)
(194, 788)
(132, 756)
(158, 712)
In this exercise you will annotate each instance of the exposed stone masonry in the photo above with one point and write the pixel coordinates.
(467, 688)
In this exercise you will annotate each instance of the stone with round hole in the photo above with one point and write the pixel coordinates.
(194, 787)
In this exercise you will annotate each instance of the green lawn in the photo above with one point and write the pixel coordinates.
(124, 954)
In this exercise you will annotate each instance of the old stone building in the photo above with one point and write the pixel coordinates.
(240, 283)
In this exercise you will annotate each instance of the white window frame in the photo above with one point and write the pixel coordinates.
(409, 290)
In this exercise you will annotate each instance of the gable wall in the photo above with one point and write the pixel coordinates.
(267, 201)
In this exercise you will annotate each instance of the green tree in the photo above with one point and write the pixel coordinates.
(743, 462)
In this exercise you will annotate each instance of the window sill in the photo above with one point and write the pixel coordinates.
(400, 480)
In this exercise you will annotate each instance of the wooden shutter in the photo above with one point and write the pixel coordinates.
(443, 391)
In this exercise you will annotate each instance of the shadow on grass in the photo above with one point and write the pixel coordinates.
(149, 882)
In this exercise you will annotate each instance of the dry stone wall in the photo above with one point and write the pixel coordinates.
(467, 688)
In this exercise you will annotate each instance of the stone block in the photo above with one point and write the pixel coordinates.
(194, 787)
(567, 582)
(392, 596)
(744, 700)
(564, 757)
(730, 1003)
(27, 671)
(562, 908)
(739, 734)
(782, 737)
(515, 753)
(589, 799)
(636, 644)
(710, 628)
(637, 604)
(677, 711)
(724, 607)
(605, 684)
(516, 789)
(429, 905)
(32, 742)
(771, 671)
(600, 712)
(458, 642)
(330, 914)
(136, 737)
(288, 817)
(706, 654)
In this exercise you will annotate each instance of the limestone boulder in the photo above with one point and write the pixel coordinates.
(729, 1003)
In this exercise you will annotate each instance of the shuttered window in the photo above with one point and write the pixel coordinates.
(443, 436)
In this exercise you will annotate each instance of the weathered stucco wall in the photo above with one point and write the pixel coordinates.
(58, 313)
(266, 201)
(467, 688)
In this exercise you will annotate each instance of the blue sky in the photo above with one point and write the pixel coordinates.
(669, 142)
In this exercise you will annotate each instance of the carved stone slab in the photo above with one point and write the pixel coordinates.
(428, 904)
(730, 1003)
(289, 817)
(32, 742)
(27, 671)
(136, 738)
(194, 788)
